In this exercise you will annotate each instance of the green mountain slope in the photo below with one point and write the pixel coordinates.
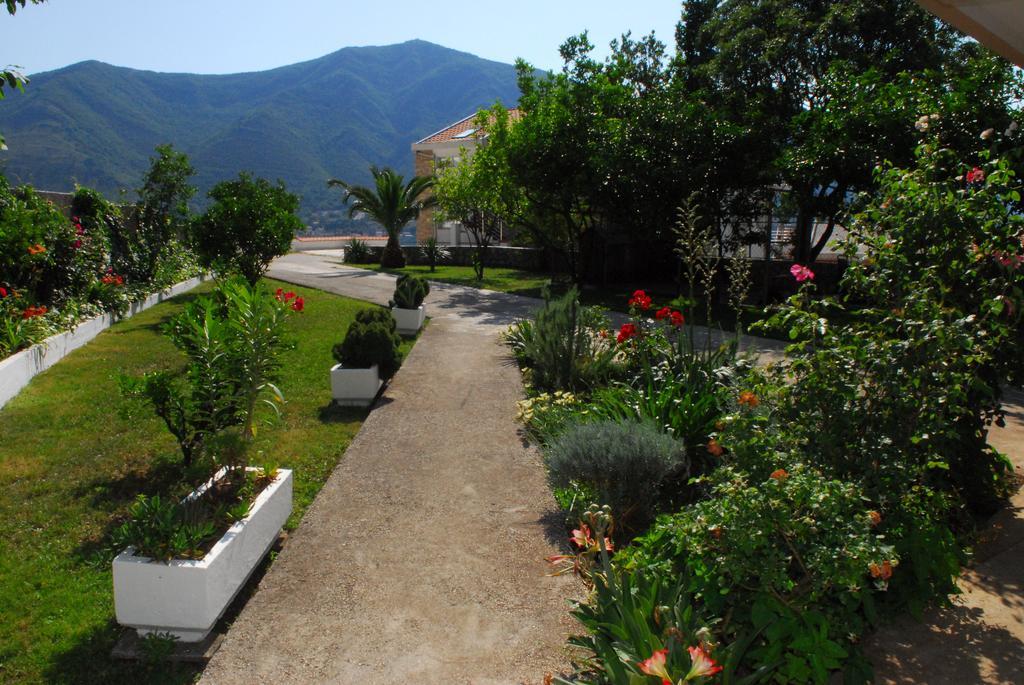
(97, 125)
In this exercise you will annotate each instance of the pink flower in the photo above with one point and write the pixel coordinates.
(655, 665)
(801, 273)
(581, 537)
(975, 175)
(627, 331)
(701, 664)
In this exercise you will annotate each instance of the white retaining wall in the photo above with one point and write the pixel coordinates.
(17, 370)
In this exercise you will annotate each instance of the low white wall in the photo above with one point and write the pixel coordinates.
(17, 370)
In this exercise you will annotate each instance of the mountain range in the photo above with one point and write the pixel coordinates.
(332, 117)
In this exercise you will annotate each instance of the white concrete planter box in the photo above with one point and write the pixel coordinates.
(17, 370)
(409, 321)
(186, 597)
(355, 387)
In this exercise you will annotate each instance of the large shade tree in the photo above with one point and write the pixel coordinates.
(833, 89)
(391, 202)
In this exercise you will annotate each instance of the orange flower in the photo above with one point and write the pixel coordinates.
(36, 249)
(883, 571)
(780, 474)
(875, 517)
(714, 448)
(749, 399)
(716, 532)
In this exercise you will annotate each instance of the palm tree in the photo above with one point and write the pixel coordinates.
(392, 203)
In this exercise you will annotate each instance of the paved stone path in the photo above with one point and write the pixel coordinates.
(421, 559)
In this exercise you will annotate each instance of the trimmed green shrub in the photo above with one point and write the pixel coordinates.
(623, 462)
(410, 291)
(371, 315)
(370, 341)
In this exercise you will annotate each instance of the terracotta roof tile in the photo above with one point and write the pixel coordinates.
(462, 127)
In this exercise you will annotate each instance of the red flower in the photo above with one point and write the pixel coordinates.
(279, 293)
(801, 273)
(975, 175)
(640, 299)
(677, 319)
(77, 244)
(655, 665)
(299, 304)
(33, 312)
(3, 291)
(663, 313)
(627, 331)
(288, 296)
(701, 664)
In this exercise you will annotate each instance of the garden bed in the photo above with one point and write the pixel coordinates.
(18, 369)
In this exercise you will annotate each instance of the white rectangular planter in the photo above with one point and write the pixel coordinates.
(409, 321)
(17, 370)
(186, 597)
(355, 387)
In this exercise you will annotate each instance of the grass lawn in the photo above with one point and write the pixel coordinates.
(71, 462)
(515, 281)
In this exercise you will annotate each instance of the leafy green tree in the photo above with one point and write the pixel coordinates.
(392, 202)
(816, 80)
(11, 76)
(250, 222)
(606, 151)
(479, 190)
(163, 202)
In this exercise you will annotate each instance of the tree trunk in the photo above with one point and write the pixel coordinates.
(392, 257)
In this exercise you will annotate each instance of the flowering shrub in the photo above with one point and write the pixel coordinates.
(777, 550)
(546, 415)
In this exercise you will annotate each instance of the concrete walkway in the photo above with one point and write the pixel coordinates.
(421, 559)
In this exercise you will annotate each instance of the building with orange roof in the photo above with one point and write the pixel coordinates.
(450, 143)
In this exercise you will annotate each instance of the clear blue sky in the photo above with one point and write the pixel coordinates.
(226, 36)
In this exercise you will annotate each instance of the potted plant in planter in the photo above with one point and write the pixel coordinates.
(184, 561)
(407, 304)
(366, 358)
